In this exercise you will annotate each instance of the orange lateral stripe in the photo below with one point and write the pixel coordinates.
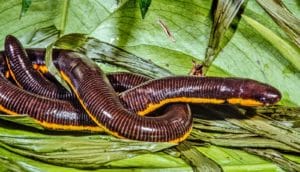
(7, 74)
(12, 74)
(240, 101)
(57, 126)
(182, 138)
(43, 69)
(35, 66)
(244, 102)
(70, 127)
(10, 112)
(152, 106)
(67, 79)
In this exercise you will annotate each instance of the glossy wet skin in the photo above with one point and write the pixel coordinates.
(153, 94)
(102, 104)
(264, 93)
(261, 92)
(215, 90)
(61, 115)
(20, 68)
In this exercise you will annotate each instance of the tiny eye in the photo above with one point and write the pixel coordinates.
(262, 99)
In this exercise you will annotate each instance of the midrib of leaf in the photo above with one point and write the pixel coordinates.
(283, 17)
(25, 5)
(64, 17)
(234, 159)
(287, 51)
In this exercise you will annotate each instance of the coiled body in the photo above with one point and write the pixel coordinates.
(30, 80)
(104, 107)
(101, 103)
(78, 120)
(47, 112)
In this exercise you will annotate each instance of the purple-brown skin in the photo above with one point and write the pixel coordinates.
(21, 102)
(36, 55)
(58, 112)
(3, 66)
(25, 76)
(104, 107)
(120, 81)
(46, 111)
(199, 87)
(209, 87)
(244, 88)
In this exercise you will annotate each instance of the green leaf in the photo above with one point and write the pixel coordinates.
(234, 160)
(25, 5)
(196, 159)
(283, 17)
(20, 163)
(292, 54)
(42, 37)
(147, 38)
(240, 140)
(277, 157)
(172, 35)
(105, 53)
(144, 5)
(224, 13)
(22, 120)
(81, 151)
(119, 23)
(11, 24)
(258, 124)
(159, 160)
